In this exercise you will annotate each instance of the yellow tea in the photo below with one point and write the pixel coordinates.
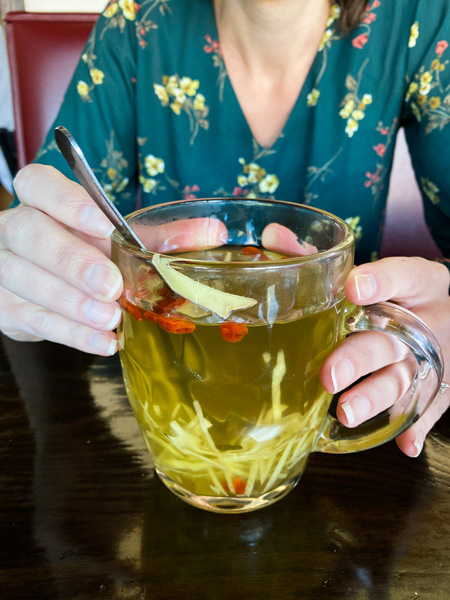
(227, 409)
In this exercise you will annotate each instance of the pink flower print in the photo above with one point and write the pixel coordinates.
(369, 18)
(380, 149)
(441, 47)
(237, 191)
(212, 45)
(372, 178)
(188, 192)
(360, 41)
(375, 4)
(384, 131)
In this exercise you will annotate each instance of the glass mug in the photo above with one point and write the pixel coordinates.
(221, 350)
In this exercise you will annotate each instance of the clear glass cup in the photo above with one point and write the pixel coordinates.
(221, 349)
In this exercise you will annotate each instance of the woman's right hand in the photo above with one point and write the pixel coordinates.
(56, 280)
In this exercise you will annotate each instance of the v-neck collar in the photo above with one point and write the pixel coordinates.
(300, 104)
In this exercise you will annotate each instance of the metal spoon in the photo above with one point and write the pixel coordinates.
(79, 165)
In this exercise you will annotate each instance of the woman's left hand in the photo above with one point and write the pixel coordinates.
(420, 285)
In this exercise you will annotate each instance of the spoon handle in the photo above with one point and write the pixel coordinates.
(80, 167)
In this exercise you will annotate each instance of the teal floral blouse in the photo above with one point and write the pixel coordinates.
(154, 110)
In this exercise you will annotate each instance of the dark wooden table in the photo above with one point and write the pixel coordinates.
(83, 515)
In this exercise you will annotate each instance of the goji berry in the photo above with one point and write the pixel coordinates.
(233, 332)
(131, 308)
(254, 251)
(174, 324)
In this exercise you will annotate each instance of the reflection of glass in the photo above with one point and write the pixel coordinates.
(221, 350)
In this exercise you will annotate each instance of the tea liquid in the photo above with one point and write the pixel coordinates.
(223, 417)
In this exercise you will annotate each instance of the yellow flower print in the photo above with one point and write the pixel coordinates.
(122, 185)
(83, 89)
(358, 115)
(416, 112)
(110, 10)
(436, 65)
(199, 102)
(253, 181)
(348, 109)
(176, 107)
(421, 100)
(171, 83)
(428, 97)
(354, 106)
(269, 184)
(435, 102)
(414, 35)
(313, 97)
(426, 77)
(430, 190)
(161, 92)
(148, 185)
(97, 76)
(255, 172)
(325, 39)
(181, 95)
(189, 86)
(352, 127)
(412, 89)
(154, 165)
(354, 224)
(128, 10)
(85, 57)
(335, 13)
(112, 170)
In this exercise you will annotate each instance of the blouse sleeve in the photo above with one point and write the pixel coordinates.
(98, 109)
(427, 115)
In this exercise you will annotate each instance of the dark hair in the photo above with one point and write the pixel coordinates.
(351, 14)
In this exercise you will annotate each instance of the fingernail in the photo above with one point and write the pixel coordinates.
(365, 286)
(357, 408)
(93, 221)
(105, 314)
(342, 373)
(418, 445)
(348, 413)
(103, 281)
(103, 344)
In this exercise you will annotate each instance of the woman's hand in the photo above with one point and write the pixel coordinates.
(416, 284)
(56, 280)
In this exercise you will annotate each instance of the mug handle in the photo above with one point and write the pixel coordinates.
(409, 329)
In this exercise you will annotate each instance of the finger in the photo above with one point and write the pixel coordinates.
(279, 238)
(374, 394)
(45, 188)
(23, 320)
(357, 356)
(37, 285)
(409, 281)
(184, 235)
(412, 440)
(40, 239)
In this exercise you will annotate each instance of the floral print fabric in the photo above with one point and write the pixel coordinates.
(153, 108)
